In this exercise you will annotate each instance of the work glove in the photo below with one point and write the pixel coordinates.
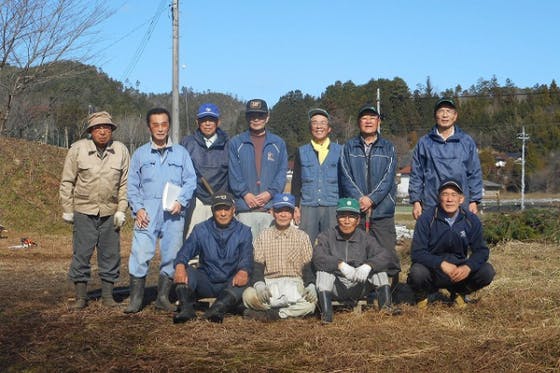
(310, 294)
(119, 219)
(362, 273)
(263, 292)
(347, 270)
(68, 217)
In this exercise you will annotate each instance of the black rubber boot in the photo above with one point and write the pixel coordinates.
(224, 302)
(81, 296)
(136, 294)
(107, 294)
(186, 301)
(162, 301)
(385, 302)
(325, 304)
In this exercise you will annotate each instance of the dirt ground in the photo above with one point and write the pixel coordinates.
(513, 327)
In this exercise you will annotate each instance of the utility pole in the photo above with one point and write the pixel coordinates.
(175, 83)
(378, 105)
(523, 137)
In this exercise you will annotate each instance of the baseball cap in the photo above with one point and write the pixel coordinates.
(256, 105)
(367, 108)
(450, 183)
(101, 117)
(222, 199)
(348, 205)
(444, 101)
(208, 110)
(283, 200)
(318, 111)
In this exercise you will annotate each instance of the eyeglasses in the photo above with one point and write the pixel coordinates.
(348, 216)
(256, 116)
(319, 123)
(99, 127)
(449, 194)
(445, 111)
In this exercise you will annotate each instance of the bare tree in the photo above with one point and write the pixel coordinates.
(34, 34)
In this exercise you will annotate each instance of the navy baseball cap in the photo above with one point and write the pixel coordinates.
(451, 183)
(283, 200)
(208, 110)
(222, 199)
(367, 108)
(256, 105)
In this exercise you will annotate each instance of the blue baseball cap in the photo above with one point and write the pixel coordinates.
(208, 110)
(283, 200)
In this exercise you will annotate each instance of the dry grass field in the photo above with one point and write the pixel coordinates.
(513, 327)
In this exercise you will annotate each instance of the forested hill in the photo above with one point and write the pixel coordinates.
(55, 110)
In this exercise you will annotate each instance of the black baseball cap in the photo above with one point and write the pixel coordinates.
(222, 199)
(367, 108)
(451, 183)
(444, 102)
(256, 105)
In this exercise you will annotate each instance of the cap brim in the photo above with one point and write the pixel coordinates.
(205, 115)
(280, 205)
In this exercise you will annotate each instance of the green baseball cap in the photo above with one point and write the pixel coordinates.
(348, 205)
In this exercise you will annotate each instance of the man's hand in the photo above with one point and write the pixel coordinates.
(241, 278)
(263, 292)
(142, 219)
(263, 198)
(473, 207)
(251, 200)
(460, 273)
(297, 216)
(181, 276)
(68, 217)
(416, 210)
(310, 293)
(447, 268)
(362, 273)
(365, 203)
(176, 208)
(347, 270)
(118, 219)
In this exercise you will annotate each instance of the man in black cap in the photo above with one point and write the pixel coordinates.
(367, 173)
(446, 152)
(258, 162)
(448, 249)
(225, 250)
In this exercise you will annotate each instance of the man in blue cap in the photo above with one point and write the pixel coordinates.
(282, 279)
(350, 263)
(208, 150)
(448, 249)
(446, 152)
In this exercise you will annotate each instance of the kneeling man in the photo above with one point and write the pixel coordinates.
(443, 237)
(350, 263)
(225, 250)
(283, 279)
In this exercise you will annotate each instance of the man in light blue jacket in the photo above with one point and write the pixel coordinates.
(153, 165)
(445, 153)
(258, 162)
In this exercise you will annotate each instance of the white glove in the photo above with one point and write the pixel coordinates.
(68, 217)
(263, 292)
(347, 270)
(119, 219)
(362, 273)
(310, 294)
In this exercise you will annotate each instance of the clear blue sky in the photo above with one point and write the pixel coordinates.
(267, 48)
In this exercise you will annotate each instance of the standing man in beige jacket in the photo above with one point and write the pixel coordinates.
(93, 197)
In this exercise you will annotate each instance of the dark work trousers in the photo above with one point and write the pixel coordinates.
(424, 280)
(205, 288)
(92, 231)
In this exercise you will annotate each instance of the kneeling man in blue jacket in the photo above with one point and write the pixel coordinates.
(225, 251)
(448, 249)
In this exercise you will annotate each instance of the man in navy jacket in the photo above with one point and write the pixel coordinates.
(448, 249)
(225, 250)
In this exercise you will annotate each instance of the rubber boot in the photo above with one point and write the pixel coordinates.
(224, 302)
(81, 296)
(325, 304)
(136, 294)
(162, 301)
(107, 294)
(186, 301)
(385, 302)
